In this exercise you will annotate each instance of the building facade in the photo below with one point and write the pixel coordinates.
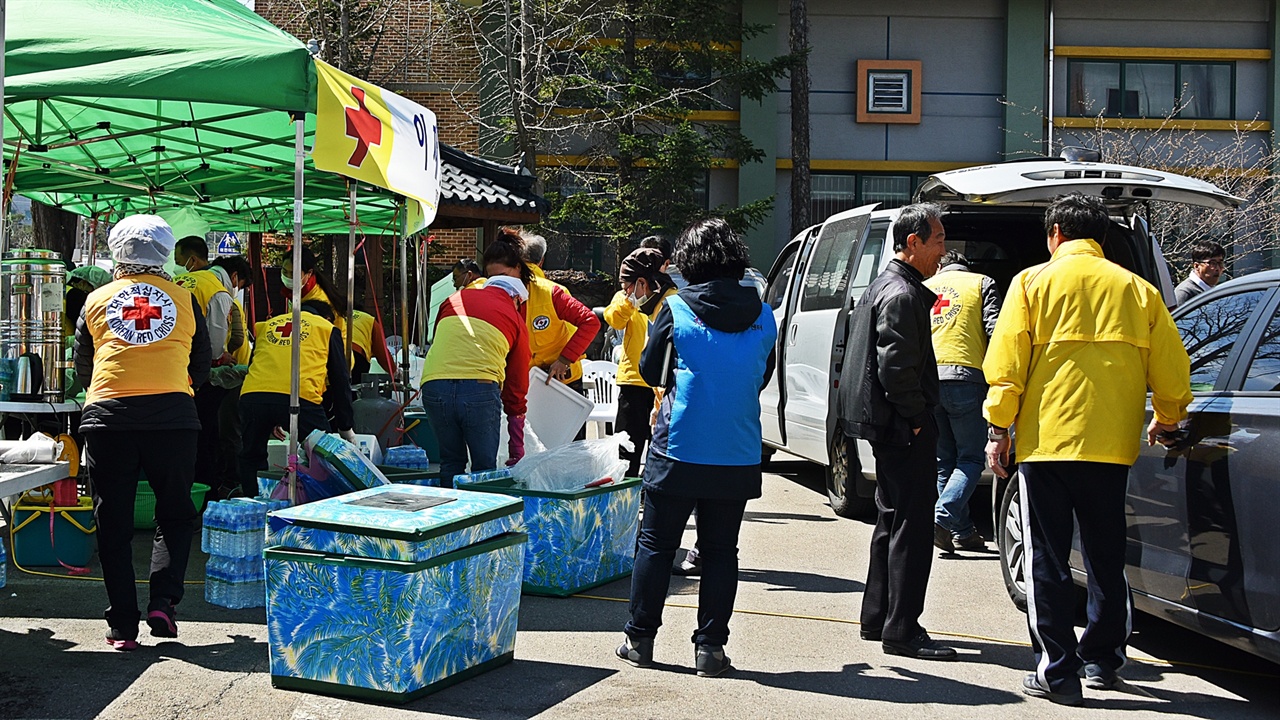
(904, 89)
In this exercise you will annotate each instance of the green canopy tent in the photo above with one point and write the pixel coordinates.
(116, 108)
(112, 108)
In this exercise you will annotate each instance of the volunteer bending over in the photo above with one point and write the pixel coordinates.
(317, 286)
(141, 345)
(322, 381)
(478, 366)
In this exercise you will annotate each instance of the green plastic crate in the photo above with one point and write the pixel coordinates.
(144, 504)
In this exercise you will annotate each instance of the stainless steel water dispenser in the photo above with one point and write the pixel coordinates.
(32, 348)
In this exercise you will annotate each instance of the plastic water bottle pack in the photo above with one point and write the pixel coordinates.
(233, 535)
(406, 456)
(4, 565)
(235, 595)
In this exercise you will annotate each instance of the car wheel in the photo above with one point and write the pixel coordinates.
(1010, 542)
(842, 475)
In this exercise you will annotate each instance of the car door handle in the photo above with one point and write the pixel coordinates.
(791, 340)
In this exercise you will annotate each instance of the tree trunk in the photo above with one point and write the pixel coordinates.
(799, 117)
(54, 229)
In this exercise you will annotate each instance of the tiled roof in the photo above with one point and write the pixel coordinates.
(469, 180)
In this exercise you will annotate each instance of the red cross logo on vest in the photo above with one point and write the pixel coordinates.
(285, 330)
(364, 126)
(940, 304)
(142, 312)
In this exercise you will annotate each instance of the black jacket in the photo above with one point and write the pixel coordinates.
(722, 305)
(889, 382)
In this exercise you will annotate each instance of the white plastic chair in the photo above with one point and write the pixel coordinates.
(599, 379)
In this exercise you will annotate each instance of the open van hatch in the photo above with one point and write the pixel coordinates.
(1039, 182)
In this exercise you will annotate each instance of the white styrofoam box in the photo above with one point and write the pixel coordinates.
(368, 447)
(556, 412)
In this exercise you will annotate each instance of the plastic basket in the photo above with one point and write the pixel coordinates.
(144, 505)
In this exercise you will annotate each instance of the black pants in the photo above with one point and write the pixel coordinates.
(635, 404)
(902, 543)
(229, 439)
(576, 386)
(208, 405)
(1053, 493)
(116, 460)
(260, 413)
(665, 517)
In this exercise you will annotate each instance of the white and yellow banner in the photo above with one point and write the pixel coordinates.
(375, 136)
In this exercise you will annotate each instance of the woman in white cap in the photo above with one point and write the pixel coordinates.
(478, 366)
(141, 345)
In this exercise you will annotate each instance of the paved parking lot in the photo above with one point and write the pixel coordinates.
(794, 645)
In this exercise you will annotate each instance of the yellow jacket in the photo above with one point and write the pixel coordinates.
(622, 315)
(1078, 342)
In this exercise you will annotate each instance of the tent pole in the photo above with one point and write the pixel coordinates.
(295, 346)
(351, 272)
(404, 297)
(4, 237)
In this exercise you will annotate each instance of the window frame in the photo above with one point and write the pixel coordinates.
(1230, 376)
(858, 197)
(1177, 84)
(1243, 353)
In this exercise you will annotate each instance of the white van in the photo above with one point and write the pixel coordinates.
(995, 216)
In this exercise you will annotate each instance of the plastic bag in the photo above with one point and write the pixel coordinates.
(531, 442)
(39, 448)
(574, 466)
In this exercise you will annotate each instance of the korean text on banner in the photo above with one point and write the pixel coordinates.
(378, 137)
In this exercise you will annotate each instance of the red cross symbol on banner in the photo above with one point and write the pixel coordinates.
(141, 312)
(940, 304)
(364, 127)
(285, 330)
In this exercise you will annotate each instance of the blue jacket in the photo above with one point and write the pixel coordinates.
(707, 439)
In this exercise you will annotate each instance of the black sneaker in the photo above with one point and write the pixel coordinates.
(1031, 686)
(121, 640)
(972, 541)
(1099, 677)
(921, 647)
(710, 660)
(942, 539)
(636, 651)
(163, 619)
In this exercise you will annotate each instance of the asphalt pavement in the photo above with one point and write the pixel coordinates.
(794, 645)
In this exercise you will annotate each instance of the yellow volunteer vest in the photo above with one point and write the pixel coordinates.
(548, 334)
(959, 337)
(273, 357)
(142, 327)
(362, 333)
(241, 354)
(204, 284)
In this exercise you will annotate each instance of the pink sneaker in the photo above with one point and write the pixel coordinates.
(116, 639)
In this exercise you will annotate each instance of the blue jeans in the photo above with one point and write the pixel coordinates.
(466, 416)
(665, 518)
(962, 440)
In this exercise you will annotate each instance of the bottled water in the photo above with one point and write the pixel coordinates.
(406, 456)
(233, 535)
(4, 564)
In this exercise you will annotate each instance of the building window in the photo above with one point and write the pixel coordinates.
(1149, 89)
(889, 91)
(831, 193)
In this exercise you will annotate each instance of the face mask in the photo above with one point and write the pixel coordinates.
(187, 266)
(638, 301)
(288, 281)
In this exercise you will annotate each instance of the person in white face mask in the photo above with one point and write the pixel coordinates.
(644, 287)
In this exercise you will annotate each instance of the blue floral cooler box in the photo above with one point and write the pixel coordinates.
(392, 592)
(577, 539)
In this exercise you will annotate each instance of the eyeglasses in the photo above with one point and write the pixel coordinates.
(1213, 263)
